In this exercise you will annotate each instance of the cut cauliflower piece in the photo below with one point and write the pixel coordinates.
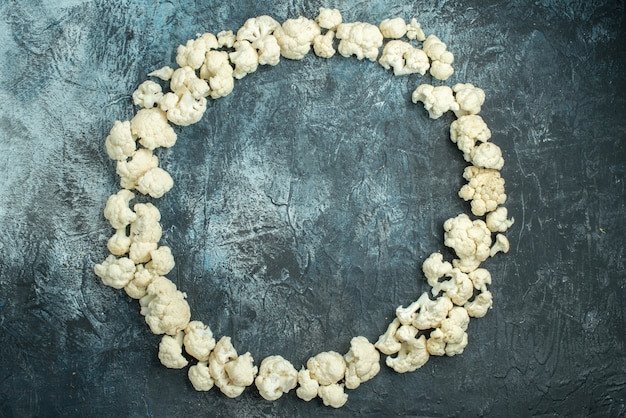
(432, 312)
(146, 226)
(164, 73)
(469, 98)
(327, 367)
(388, 343)
(198, 341)
(115, 272)
(437, 100)
(245, 58)
(497, 221)
(404, 58)
(117, 210)
(487, 155)
(137, 287)
(307, 386)
(171, 351)
(441, 58)
(459, 288)
(230, 372)
(258, 32)
(164, 307)
(362, 362)
(130, 171)
(414, 31)
(200, 377)
(119, 243)
(295, 37)
(184, 80)
(276, 377)
(501, 245)
(147, 94)
(183, 110)
(333, 395)
(226, 39)
(155, 182)
(323, 45)
(450, 339)
(120, 143)
(478, 307)
(329, 18)
(480, 279)
(394, 28)
(151, 128)
(360, 39)
(140, 252)
(412, 355)
(467, 131)
(219, 73)
(193, 52)
(485, 189)
(161, 261)
(435, 268)
(470, 240)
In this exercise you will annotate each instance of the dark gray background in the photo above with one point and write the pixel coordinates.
(305, 203)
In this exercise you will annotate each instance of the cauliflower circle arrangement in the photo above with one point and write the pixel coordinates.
(435, 324)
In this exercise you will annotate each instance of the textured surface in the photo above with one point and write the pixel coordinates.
(304, 204)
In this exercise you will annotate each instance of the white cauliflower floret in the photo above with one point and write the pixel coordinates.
(139, 252)
(360, 39)
(184, 80)
(146, 226)
(117, 210)
(268, 50)
(295, 37)
(362, 362)
(155, 182)
(406, 332)
(115, 272)
(437, 100)
(226, 39)
(171, 351)
(198, 341)
(193, 52)
(137, 287)
(450, 339)
(258, 31)
(480, 279)
(200, 377)
(329, 18)
(471, 241)
(432, 312)
(404, 58)
(387, 343)
(501, 245)
(466, 131)
(459, 288)
(147, 94)
(407, 315)
(164, 73)
(151, 128)
(219, 73)
(230, 372)
(333, 395)
(469, 98)
(485, 189)
(276, 376)
(161, 261)
(435, 268)
(307, 386)
(412, 355)
(327, 367)
(130, 171)
(441, 58)
(165, 309)
(183, 110)
(323, 45)
(119, 243)
(120, 143)
(393, 28)
(487, 155)
(414, 31)
(497, 221)
(245, 59)
(478, 307)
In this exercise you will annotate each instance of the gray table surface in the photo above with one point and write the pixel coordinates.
(305, 203)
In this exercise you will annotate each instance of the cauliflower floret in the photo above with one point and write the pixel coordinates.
(360, 39)
(437, 100)
(469, 98)
(497, 221)
(329, 18)
(193, 52)
(432, 312)
(139, 252)
(435, 268)
(450, 339)
(333, 395)
(276, 376)
(501, 245)
(161, 261)
(115, 272)
(171, 351)
(258, 31)
(487, 155)
(268, 50)
(151, 128)
(183, 110)
(200, 377)
(471, 241)
(387, 343)
(412, 355)
(155, 182)
(130, 171)
(245, 59)
(119, 243)
(219, 73)
(137, 287)
(226, 39)
(441, 58)
(485, 189)
(478, 307)
(184, 80)
(404, 58)
(231, 372)
(393, 28)
(120, 143)
(295, 37)
(327, 367)
(414, 31)
(198, 341)
(323, 45)
(459, 288)
(362, 362)
(117, 210)
(146, 226)
(466, 131)
(480, 279)
(307, 386)
(165, 309)
(164, 73)
(147, 94)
